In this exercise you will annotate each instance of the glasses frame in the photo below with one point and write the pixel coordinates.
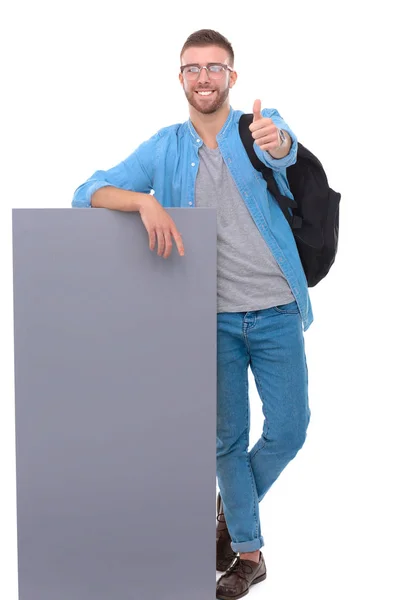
(200, 67)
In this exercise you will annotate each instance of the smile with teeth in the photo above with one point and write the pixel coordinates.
(206, 93)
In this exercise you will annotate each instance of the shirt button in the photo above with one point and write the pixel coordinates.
(192, 164)
(190, 203)
(198, 140)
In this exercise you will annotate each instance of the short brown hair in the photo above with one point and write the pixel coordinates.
(209, 37)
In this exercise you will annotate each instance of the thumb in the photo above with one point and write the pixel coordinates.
(257, 110)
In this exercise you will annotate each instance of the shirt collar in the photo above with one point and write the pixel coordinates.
(195, 137)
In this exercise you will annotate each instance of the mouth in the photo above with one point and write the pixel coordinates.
(205, 93)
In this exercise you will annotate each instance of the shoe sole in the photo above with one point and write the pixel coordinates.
(257, 580)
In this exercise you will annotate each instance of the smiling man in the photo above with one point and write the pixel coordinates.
(263, 303)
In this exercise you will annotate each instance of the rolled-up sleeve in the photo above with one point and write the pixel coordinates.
(278, 164)
(135, 173)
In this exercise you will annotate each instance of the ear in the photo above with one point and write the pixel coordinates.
(232, 79)
(181, 79)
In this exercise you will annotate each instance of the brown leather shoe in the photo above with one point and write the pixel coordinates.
(239, 577)
(225, 554)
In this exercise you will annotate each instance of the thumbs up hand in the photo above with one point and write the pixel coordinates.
(263, 130)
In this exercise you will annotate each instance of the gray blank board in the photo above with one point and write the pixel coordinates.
(115, 393)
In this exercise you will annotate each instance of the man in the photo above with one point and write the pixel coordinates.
(263, 300)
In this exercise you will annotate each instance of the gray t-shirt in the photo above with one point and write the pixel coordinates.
(248, 276)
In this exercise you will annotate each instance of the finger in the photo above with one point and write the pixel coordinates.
(151, 239)
(263, 122)
(265, 132)
(257, 110)
(268, 148)
(264, 145)
(168, 244)
(178, 240)
(267, 137)
(161, 242)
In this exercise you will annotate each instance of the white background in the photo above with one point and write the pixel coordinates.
(83, 83)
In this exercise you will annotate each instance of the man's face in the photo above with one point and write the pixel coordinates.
(219, 88)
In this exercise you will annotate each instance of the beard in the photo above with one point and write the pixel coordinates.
(209, 105)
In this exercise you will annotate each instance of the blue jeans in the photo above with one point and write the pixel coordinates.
(271, 343)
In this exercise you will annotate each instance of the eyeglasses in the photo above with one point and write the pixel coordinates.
(214, 71)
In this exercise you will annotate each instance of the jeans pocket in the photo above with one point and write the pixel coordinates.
(287, 309)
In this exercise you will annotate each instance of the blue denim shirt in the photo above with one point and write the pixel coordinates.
(168, 163)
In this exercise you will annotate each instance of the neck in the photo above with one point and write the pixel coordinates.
(209, 126)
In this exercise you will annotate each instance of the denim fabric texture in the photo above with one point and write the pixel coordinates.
(271, 343)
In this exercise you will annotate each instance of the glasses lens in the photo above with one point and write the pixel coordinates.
(216, 71)
(191, 72)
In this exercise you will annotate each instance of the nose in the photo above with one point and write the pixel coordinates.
(203, 75)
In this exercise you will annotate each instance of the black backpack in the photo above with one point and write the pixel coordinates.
(314, 218)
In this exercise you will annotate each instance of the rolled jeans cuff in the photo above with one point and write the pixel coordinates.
(250, 546)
